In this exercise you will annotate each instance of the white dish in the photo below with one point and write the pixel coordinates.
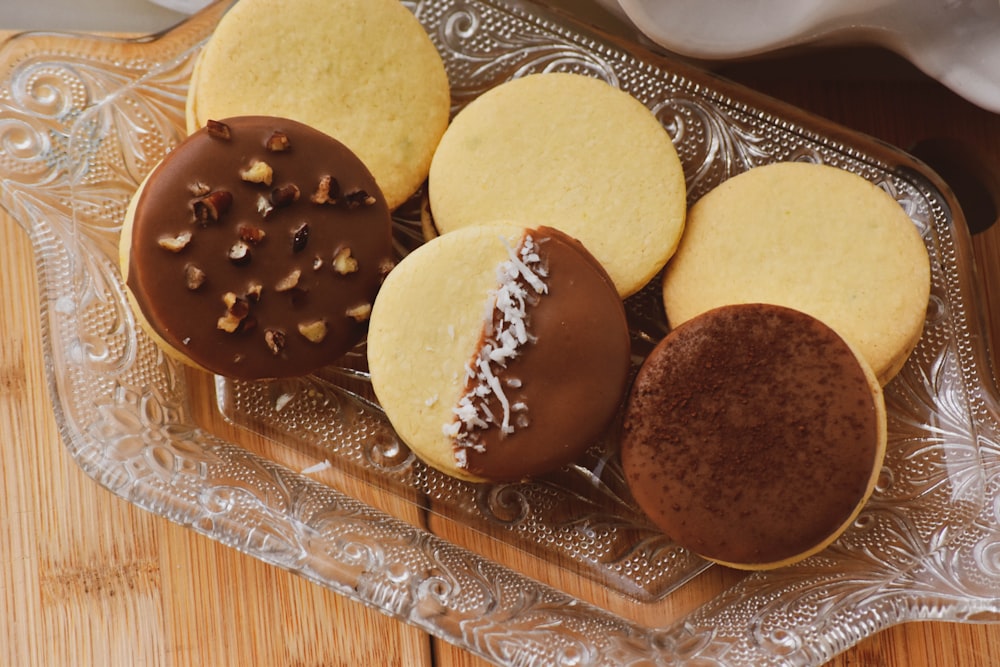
(955, 41)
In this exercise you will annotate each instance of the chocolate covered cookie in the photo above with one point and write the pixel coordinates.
(753, 435)
(255, 248)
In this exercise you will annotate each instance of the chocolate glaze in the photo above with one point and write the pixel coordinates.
(572, 376)
(750, 434)
(187, 318)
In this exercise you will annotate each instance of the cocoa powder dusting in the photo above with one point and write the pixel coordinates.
(750, 434)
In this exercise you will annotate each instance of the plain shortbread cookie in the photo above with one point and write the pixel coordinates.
(811, 237)
(571, 152)
(362, 71)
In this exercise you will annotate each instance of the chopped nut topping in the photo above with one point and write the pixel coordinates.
(314, 331)
(193, 277)
(251, 234)
(258, 172)
(385, 267)
(175, 243)
(317, 263)
(283, 195)
(264, 206)
(239, 253)
(343, 262)
(289, 282)
(199, 188)
(237, 305)
(237, 310)
(275, 339)
(228, 323)
(300, 237)
(254, 291)
(360, 312)
(327, 191)
(278, 142)
(359, 197)
(218, 130)
(212, 206)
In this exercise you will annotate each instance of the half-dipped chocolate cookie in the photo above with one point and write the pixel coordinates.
(499, 352)
(255, 248)
(753, 435)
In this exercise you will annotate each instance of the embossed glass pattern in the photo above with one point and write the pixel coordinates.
(83, 119)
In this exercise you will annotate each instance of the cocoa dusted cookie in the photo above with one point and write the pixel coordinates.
(255, 248)
(499, 352)
(753, 435)
(572, 152)
(811, 237)
(363, 71)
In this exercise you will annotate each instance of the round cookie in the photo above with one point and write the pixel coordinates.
(362, 71)
(571, 152)
(256, 248)
(753, 435)
(811, 237)
(499, 352)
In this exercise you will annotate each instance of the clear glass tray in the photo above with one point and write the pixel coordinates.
(293, 472)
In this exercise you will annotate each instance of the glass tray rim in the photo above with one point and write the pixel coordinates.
(664, 643)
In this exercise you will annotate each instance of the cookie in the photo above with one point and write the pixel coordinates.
(255, 249)
(499, 352)
(811, 237)
(571, 152)
(753, 435)
(362, 71)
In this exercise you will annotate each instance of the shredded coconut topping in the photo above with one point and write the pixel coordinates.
(521, 281)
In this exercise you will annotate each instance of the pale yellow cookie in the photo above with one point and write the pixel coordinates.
(571, 152)
(811, 237)
(362, 71)
(499, 352)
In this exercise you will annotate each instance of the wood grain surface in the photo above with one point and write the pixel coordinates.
(88, 579)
